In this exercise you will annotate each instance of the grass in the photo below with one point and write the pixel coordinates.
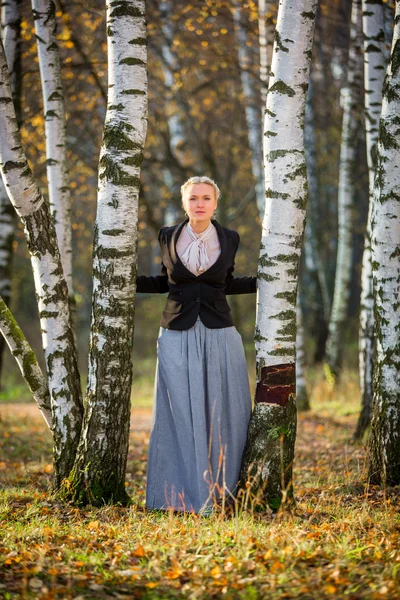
(342, 541)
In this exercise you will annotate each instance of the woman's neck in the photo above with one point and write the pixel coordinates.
(199, 227)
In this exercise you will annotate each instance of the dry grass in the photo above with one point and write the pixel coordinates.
(341, 542)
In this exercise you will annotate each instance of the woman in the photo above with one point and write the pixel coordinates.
(202, 402)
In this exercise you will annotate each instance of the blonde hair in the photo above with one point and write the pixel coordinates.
(200, 179)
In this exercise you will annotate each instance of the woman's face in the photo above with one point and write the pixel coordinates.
(200, 201)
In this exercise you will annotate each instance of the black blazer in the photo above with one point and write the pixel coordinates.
(192, 295)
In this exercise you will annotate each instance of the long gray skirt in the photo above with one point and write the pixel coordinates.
(201, 413)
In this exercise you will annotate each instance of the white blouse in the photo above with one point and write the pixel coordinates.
(211, 246)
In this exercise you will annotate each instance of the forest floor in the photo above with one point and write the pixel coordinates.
(342, 541)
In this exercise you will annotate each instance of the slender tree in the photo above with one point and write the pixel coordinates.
(269, 452)
(374, 71)
(252, 104)
(351, 102)
(26, 360)
(266, 28)
(55, 130)
(384, 441)
(50, 285)
(98, 474)
(11, 33)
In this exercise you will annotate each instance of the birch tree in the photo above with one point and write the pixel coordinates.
(11, 32)
(269, 452)
(50, 285)
(384, 441)
(177, 128)
(374, 71)
(351, 103)
(98, 474)
(26, 360)
(251, 104)
(95, 470)
(266, 28)
(55, 130)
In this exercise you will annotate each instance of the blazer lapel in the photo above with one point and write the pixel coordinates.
(174, 255)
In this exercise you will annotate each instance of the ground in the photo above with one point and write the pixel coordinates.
(342, 541)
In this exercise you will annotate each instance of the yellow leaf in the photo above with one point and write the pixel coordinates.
(330, 589)
(268, 554)
(216, 572)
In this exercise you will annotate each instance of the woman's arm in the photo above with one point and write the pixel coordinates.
(153, 285)
(239, 285)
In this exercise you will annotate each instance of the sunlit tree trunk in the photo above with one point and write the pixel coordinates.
(384, 441)
(374, 71)
(269, 451)
(50, 285)
(98, 475)
(55, 128)
(252, 103)
(11, 33)
(351, 102)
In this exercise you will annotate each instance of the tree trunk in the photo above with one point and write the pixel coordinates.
(177, 123)
(351, 102)
(55, 129)
(11, 33)
(252, 104)
(374, 71)
(26, 360)
(384, 441)
(266, 28)
(50, 285)
(269, 452)
(313, 210)
(98, 475)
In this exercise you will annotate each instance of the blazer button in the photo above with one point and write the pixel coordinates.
(197, 299)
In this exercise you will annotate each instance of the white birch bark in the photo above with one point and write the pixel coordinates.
(99, 471)
(50, 286)
(384, 441)
(351, 103)
(273, 421)
(184, 145)
(55, 130)
(26, 360)
(176, 127)
(374, 71)
(266, 28)
(252, 105)
(11, 31)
